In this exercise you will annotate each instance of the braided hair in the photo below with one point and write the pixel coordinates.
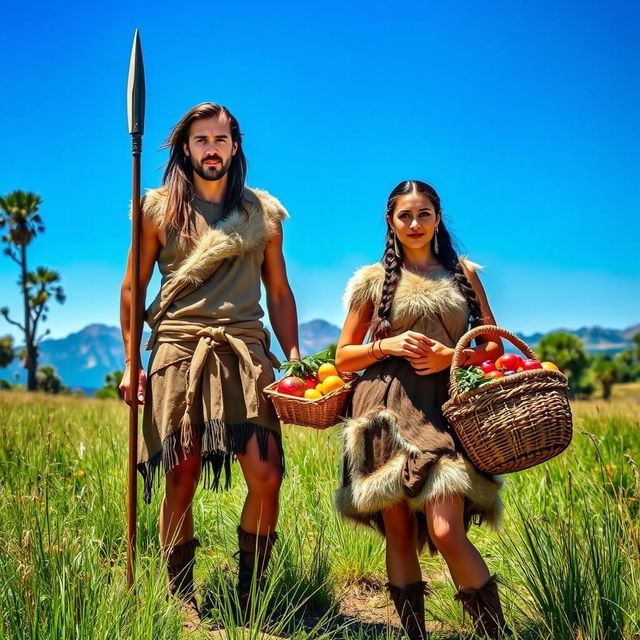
(447, 255)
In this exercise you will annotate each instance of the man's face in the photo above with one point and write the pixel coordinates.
(210, 147)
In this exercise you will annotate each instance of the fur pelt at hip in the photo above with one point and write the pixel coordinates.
(365, 493)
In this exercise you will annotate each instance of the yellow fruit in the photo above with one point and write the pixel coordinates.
(549, 366)
(319, 387)
(325, 370)
(312, 394)
(332, 383)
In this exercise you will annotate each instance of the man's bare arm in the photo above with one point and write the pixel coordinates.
(150, 244)
(280, 302)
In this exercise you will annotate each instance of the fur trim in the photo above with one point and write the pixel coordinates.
(416, 296)
(468, 265)
(236, 234)
(154, 205)
(450, 477)
(273, 210)
(368, 493)
(374, 491)
(364, 286)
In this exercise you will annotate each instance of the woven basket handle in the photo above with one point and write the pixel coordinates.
(484, 330)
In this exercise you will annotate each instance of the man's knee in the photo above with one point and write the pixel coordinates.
(182, 483)
(265, 482)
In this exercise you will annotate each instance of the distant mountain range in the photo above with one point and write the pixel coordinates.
(84, 358)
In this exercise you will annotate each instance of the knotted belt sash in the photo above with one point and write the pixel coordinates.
(205, 359)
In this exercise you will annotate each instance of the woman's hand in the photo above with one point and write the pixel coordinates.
(125, 385)
(409, 344)
(437, 358)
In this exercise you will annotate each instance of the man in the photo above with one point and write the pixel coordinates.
(214, 241)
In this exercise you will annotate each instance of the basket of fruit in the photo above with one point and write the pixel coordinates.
(312, 393)
(510, 414)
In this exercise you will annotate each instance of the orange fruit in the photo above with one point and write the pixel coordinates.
(325, 370)
(332, 383)
(549, 366)
(312, 394)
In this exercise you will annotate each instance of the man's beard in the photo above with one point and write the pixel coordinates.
(211, 173)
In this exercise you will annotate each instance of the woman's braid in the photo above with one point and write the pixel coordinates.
(381, 326)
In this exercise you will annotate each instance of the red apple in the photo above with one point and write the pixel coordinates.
(509, 362)
(494, 374)
(530, 365)
(488, 365)
(292, 386)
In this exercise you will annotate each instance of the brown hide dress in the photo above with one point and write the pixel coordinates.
(210, 357)
(397, 444)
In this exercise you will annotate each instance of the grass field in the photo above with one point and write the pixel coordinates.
(568, 552)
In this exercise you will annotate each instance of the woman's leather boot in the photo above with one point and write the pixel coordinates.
(409, 603)
(483, 605)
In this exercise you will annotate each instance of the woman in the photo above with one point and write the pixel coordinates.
(404, 471)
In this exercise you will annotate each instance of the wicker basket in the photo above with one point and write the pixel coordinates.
(320, 413)
(510, 423)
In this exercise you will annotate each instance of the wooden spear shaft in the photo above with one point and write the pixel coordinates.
(134, 342)
(135, 102)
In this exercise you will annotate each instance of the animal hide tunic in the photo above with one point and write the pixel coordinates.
(210, 358)
(397, 444)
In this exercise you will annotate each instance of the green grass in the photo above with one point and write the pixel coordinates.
(568, 552)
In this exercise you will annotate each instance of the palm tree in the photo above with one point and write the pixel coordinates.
(19, 214)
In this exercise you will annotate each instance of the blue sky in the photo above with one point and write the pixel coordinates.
(524, 116)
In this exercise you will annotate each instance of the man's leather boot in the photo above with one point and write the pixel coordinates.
(180, 561)
(254, 553)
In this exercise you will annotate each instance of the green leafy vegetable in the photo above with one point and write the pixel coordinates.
(309, 364)
(469, 378)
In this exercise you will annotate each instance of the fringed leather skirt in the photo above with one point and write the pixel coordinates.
(220, 440)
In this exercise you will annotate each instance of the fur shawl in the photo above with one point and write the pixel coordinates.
(239, 233)
(416, 297)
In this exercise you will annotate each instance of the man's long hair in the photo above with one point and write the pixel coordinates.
(178, 175)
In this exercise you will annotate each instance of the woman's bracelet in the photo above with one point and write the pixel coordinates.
(382, 353)
(372, 346)
(371, 352)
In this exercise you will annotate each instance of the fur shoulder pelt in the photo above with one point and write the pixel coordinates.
(155, 200)
(416, 296)
(272, 209)
(364, 286)
(239, 233)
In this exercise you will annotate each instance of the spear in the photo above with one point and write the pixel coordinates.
(135, 113)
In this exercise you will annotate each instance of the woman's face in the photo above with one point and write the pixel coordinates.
(414, 220)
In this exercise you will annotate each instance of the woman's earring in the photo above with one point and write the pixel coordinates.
(395, 244)
(435, 241)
